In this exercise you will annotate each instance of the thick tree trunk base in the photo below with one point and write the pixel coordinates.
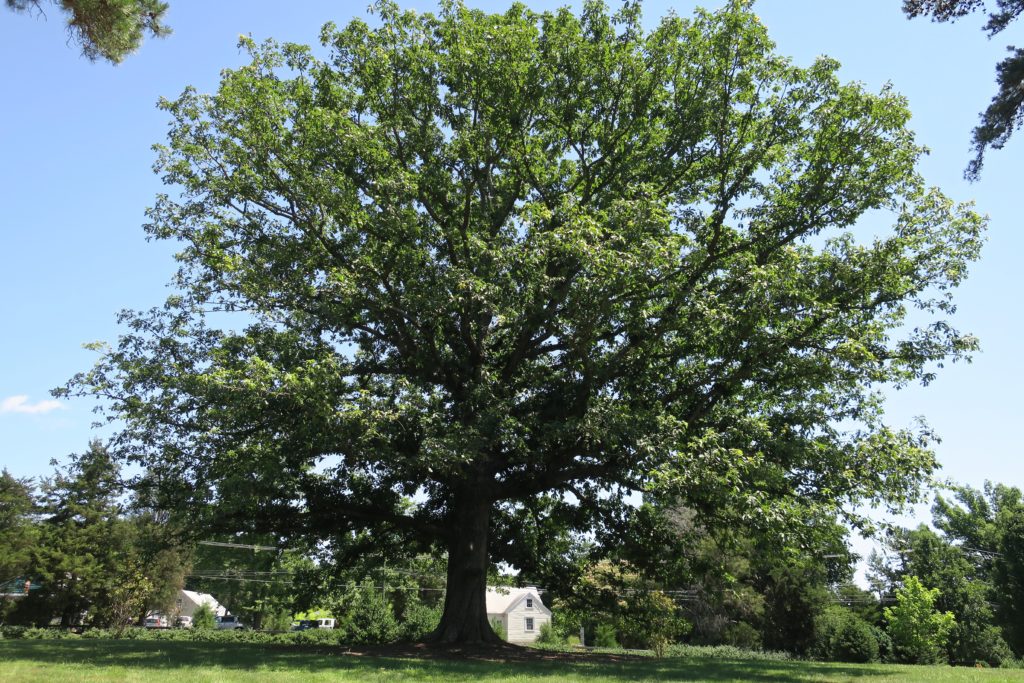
(458, 635)
(464, 621)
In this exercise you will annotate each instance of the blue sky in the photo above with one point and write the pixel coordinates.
(76, 176)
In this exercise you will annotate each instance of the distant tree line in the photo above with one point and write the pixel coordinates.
(952, 594)
(82, 548)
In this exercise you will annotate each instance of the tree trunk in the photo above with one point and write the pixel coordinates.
(465, 605)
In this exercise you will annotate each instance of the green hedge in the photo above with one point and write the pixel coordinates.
(31, 633)
(321, 637)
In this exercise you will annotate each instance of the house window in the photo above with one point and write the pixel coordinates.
(529, 603)
(529, 623)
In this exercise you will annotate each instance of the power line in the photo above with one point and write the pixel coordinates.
(221, 544)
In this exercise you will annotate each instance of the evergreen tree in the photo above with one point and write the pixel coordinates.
(18, 535)
(107, 29)
(1005, 113)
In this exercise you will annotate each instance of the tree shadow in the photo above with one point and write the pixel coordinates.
(179, 655)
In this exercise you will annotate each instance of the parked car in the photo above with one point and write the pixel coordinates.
(307, 624)
(229, 622)
(183, 622)
(156, 621)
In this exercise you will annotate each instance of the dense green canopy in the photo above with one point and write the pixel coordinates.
(516, 266)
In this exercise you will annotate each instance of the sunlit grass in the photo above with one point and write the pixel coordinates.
(38, 661)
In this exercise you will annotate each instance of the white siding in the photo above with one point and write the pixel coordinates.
(516, 624)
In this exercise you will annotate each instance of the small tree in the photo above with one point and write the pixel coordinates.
(367, 616)
(918, 631)
(203, 618)
(126, 599)
(651, 619)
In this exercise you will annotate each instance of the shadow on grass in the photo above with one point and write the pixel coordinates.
(171, 655)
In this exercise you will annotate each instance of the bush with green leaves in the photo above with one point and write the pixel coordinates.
(549, 636)
(856, 642)
(318, 636)
(604, 636)
(971, 646)
(1012, 663)
(688, 651)
(919, 632)
(366, 616)
(36, 633)
(884, 644)
(498, 626)
(742, 635)
(650, 619)
(203, 618)
(419, 619)
(842, 636)
(13, 632)
(976, 637)
(279, 620)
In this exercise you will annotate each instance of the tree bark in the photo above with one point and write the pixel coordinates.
(464, 620)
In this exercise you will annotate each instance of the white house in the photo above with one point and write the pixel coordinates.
(189, 601)
(519, 610)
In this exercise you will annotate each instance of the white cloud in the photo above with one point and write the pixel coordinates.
(20, 404)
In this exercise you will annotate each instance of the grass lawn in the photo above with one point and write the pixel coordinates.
(53, 661)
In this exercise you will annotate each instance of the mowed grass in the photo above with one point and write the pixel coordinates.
(51, 661)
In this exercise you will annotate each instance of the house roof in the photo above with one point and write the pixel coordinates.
(503, 598)
(201, 598)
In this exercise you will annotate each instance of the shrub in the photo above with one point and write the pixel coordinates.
(281, 620)
(971, 644)
(856, 642)
(726, 652)
(1012, 663)
(548, 635)
(317, 636)
(842, 636)
(203, 618)
(650, 619)
(13, 632)
(48, 634)
(419, 619)
(604, 636)
(107, 633)
(498, 626)
(742, 635)
(369, 618)
(884, 644)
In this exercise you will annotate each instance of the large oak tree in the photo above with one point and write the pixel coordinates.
(514, 267)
